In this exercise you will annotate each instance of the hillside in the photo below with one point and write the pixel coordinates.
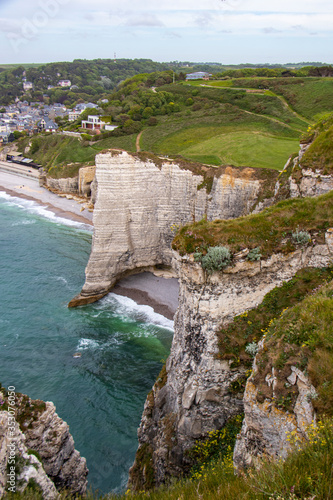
(211, 124)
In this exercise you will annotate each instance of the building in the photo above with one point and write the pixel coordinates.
(93, 123)
(199, 75)
(73, 115)
(28, 85)
(46, 125)
(64, 83)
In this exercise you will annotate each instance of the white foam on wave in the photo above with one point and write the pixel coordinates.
(62, 279)
(25, 222)
(34, 208)
(86, 344)
(130, 308)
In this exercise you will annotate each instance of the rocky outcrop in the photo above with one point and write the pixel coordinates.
(142, 200)
(299, 181)
(48, 435)
(18, 467)
(267, 430)
(79, 185)
(86, 177)
(65, 185)
(195, 394)
(311, 183)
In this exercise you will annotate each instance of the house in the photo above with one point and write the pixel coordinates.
(64, 83)
(92, 123)
(73, 115)
(47, 125)
(6, 137)
(199, 75)
(28, 85)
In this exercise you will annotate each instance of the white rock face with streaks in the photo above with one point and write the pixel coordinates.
(266, 430)
(14, 444)
(51, 438)
(138, 202)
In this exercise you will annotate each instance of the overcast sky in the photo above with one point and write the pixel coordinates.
(225, 31)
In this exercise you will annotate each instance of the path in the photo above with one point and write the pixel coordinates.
(137, 142)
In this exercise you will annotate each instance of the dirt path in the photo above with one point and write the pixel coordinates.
(137, 142)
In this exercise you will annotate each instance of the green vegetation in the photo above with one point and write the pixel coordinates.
(302, 337)
(249, 327)
(216, 259)
(271, 230)
(319, 156)
(218, 446)
(62, 156)
(305, 474)
(256, 122)
(27, 410)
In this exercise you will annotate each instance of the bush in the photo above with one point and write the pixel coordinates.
(254, 254)
(216, 259)
(301, 237)
(152, 121)
(252, 348)
(86, 137)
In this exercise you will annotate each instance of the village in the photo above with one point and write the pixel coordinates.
(34, 117)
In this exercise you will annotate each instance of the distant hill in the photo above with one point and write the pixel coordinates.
(93, 79)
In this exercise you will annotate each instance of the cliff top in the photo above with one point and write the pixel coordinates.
(272, 230)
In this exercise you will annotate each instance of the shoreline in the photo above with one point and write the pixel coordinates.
(65, 214)
(144, 288)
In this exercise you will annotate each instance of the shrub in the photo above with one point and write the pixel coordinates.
(252, 349)
(86, 137)
(197, 256)
(254, 254)
(300, 237)
(152, 121)
(216, 259)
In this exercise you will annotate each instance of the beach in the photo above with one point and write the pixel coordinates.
(145, 289)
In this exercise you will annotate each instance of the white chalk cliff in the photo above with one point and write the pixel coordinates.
(140, 202)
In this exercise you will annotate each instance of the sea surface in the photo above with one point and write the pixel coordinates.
(123, 345)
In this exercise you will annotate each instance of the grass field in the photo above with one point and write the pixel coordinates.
(310, 97)
(244, 148)
(223, 135)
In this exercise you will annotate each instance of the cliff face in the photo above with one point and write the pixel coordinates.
(266, 429)
(40, 429)
(195, 394)
(80, 185)
(140, 201)
(15, 476)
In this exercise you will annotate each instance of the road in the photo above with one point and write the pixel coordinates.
(22, 170)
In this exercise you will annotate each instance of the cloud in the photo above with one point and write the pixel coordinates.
(147, 20)
(271, 30)
(171, 34)
(205, 20)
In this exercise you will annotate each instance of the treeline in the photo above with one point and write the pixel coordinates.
(97, 79)
(92, 80)
(276, 72)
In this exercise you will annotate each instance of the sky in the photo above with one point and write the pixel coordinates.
(224, 31)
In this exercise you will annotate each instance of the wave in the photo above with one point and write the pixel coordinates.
(129, 308)
(86, 344)
(34, 208)
(63, 280)
(24, 222)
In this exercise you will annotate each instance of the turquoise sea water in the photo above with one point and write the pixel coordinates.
(102, 393)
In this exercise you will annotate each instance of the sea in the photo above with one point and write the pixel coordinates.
(122, 346)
